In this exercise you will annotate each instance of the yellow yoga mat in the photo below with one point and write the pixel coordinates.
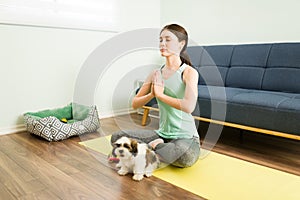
(217, 176)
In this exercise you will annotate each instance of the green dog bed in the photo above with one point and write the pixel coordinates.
(62, 123)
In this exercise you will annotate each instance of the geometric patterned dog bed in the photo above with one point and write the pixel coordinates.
(48, 124)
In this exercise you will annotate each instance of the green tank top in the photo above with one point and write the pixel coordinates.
(174, 123)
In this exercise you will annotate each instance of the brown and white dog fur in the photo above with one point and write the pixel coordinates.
(136, 158)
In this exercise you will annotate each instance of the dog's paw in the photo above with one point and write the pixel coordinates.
(148, 174)
(122, 172)
(118, 165)
(138, 177)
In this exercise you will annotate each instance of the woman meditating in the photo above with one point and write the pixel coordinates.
(175, 87)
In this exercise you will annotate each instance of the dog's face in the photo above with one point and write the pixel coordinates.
(125, 147)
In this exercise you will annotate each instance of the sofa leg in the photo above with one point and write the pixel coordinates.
(145, 116)
(241, 136)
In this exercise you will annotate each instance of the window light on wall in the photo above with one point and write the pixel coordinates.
(74, 14)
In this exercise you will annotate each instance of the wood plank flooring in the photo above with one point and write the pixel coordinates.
(32, 168)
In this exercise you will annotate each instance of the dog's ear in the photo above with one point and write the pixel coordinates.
(134, 146)
(151, 157)
(114, 145)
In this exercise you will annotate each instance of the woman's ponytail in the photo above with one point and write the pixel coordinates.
(185, 58)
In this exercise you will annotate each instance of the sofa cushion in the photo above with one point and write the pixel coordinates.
(292, 104)
(219, 55)
(262, 98)
(249, 97)
(283, 68)
(285, 55)
(195, 53)
(245, 77)
(213, 65)
(219, 93)
(247, 66)
(282, 79)
(255, 55)
(212, 75)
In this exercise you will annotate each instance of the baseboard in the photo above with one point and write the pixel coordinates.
(103, 115)
(12, 129)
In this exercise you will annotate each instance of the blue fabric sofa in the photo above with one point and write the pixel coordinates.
(252, 85)
(257, 85)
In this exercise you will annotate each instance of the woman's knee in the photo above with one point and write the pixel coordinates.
(140, 135)
(116, 135)
(188, 156)
(186, 160)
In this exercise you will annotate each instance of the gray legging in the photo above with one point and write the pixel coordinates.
(178, 152)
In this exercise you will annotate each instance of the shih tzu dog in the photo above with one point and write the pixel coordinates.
(137, 158)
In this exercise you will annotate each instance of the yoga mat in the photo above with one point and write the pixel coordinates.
(217, 176)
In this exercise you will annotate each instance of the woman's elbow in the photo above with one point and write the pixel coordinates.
(189, 108)
(134, 105)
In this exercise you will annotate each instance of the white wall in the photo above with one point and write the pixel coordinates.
(116, 87)
(235, 21)
(118, 84)
(39, 66)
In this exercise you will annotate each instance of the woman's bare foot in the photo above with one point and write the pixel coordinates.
(156, 142)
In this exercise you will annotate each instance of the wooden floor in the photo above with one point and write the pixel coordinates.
(32, 168)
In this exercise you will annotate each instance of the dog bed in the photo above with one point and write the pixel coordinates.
(62, 123)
